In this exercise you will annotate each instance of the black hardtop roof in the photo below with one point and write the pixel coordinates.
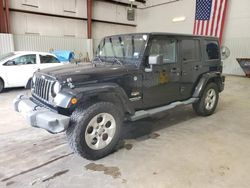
(169, 34)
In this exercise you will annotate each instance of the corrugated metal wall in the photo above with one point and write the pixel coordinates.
(6, 43)
(9, 42)
(47, 43)
(239, 48)
(96, 43)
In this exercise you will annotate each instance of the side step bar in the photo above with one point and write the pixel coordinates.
(147, 113)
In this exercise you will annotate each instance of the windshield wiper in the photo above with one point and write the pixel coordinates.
(97, 58)
(117, 61)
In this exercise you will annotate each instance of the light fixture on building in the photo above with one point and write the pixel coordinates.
(131, 11)
(179, 19)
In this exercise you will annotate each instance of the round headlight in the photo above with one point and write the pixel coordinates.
(56, 88)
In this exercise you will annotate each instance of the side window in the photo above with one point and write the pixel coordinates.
(191, 50)
(164, 47)
(48, 59)
(23, 60)
(212, 50)
(108, 49)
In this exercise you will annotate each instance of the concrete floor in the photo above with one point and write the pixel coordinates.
(178, 150)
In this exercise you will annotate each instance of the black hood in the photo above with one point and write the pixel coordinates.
(87, 72)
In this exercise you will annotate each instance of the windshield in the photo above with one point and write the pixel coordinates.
(125, 48)
(5, 56)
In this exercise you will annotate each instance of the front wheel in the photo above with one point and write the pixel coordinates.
(208, 101)
(94, 131)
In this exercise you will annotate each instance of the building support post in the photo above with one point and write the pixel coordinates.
(2, 18)
(89, 16)
(7, 15)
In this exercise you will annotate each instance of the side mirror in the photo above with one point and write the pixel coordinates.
(154, 60)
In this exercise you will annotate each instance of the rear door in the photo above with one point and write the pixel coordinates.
(47, 61)
(191, 65)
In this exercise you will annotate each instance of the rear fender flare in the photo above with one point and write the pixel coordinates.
(206, 78)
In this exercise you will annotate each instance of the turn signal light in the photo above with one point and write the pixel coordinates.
(74, 101)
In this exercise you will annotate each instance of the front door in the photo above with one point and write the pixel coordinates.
(161, 85)
(20, 69)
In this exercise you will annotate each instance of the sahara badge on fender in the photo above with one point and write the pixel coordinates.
(163, 77)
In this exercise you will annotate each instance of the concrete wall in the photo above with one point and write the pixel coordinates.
(236, 33)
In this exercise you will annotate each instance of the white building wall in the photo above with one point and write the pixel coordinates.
(236, 32)
(27, 23)
(74, 8)
(237, 35)
(159, 18)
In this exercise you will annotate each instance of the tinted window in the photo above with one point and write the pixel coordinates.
(212, 50)
(165, 48)
(48, 59)
(190, 50)
(23, 60)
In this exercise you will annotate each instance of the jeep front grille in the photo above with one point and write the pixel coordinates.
(42, 88)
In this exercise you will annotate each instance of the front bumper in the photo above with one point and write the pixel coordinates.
(40, 117)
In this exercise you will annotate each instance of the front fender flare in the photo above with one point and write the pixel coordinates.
(85, 92)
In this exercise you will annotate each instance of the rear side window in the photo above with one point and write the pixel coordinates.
(212, 50)
(48, 59)
(191, 50)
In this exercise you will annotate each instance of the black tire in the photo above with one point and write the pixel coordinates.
(79, 122)
(200, 106)
(1, 86)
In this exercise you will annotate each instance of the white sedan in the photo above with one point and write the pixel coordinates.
(17, 68)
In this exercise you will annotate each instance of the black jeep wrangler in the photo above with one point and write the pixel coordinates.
(132, 76)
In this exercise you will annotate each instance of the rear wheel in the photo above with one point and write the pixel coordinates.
(1, 85)
(208, 101)
(94, 131)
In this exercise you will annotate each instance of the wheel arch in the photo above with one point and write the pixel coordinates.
(206, 78)
(1, 79)
(106, 92)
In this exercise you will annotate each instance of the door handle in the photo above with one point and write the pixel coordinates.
(196, 67)
(174, 70)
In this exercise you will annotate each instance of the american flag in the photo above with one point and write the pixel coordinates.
(210, 17)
